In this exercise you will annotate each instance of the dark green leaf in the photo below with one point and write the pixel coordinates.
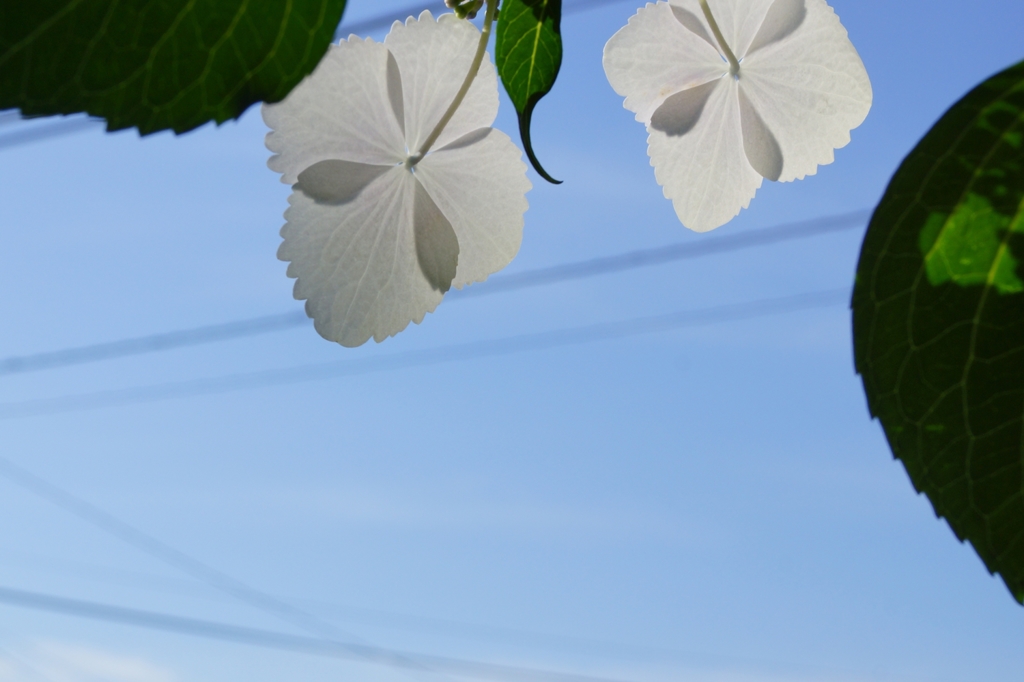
(528, 52)
(158, 64)
(939, 320)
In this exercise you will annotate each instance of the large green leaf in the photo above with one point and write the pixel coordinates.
(939, 320)
(528, 52)
(158, 64)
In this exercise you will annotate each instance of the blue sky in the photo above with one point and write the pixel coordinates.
(709, 503)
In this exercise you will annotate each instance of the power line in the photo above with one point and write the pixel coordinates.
(9, 116)
(385, 20)
(89, 513)
(157, 549)
(419, 358)
(163, 552)
(283, 642)
(68, 127)
(500, 284)
(151, 344)
(476, 630)
(667, 254)
(46, 131)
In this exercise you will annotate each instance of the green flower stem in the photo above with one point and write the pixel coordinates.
(734, 64)
(474, 68)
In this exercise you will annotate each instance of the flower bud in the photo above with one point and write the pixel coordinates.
(465, 9)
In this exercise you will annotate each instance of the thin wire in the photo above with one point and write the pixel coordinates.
(572, 7)
(46, 131)
(561, 643)
(61, 128)
(667, 254)
(171, 556)
(266, 324)
(283, 642)
(501, 284)
(152, 343)
(420, 358)
(383, 21)
(9, 116)
(155, 548)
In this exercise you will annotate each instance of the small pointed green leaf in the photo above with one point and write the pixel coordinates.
(528, 52)
(938, 317)
(158, 64)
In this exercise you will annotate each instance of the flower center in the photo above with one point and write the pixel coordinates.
(411, 160)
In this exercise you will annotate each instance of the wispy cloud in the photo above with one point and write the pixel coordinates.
(394, 507)
(60, 662)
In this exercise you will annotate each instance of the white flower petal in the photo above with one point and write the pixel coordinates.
(434, 58)
(655, 56)
(739, 20)
(479, 182)
(705, 171)
(437, 245)
(810, 89)
(342, 110)
(783, 19)
(337, 182)
(362, 260)
(763, 151)
(680, 113)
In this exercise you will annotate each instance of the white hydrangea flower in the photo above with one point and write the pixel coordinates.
(375, 235)
(774, 101)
